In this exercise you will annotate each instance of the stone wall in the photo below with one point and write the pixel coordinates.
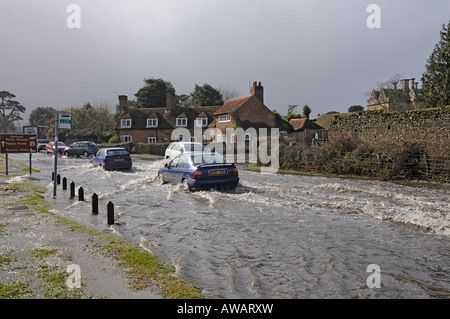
(374, 126)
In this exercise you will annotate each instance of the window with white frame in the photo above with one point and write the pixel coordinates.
(181, 121)
(224, 118)
(151, 139)
(201, 121)
(152, 122)
(126, 138)
(125, 123)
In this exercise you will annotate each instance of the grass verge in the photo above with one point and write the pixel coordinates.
(143, 268)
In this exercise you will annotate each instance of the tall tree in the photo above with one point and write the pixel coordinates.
(436, 78)
(206, 95)
(41, 115)
(306, 111)
(9, 111)
(153, 94)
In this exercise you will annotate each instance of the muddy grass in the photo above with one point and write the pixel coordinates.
(45, 256)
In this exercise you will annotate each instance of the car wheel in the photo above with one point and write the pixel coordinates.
(160, 179)
(186, 185)
(66, 154)
(85, 154)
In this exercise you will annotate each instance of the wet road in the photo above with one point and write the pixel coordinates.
(275, 236)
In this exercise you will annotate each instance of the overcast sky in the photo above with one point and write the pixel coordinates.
(319, 52)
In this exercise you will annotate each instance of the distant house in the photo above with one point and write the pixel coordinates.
(155, 125)
(404, 99)
(248, 112)
(307, 131)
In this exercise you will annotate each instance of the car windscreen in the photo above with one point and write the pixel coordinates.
(116, 153)
(205, 158)
(92, 144)
(61, 144)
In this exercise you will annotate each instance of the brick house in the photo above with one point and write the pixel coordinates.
(248, 112)
(155, 125)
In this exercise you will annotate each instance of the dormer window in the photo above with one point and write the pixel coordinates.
(152, 122)
(224, 118)
(181, 121)
(125, 123)
(201, 121)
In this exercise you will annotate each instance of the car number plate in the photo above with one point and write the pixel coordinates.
(218, 172)
(119, 160)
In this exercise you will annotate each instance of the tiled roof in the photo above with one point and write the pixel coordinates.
(233, 105)
(168, 119)
(304, 124)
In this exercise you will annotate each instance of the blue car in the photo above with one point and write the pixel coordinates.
(112, 158)
(200, 171)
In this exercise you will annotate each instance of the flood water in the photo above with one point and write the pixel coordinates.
(275, 236)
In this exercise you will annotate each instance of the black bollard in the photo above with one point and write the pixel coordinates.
(110, 213)
(53, 176)
(72, 189)
(81, 194)
(64, 183)
(58, 179)
(95, 204)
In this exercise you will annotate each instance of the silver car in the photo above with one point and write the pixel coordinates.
(84, 148)
(177, 148)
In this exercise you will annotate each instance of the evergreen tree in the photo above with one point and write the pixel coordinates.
(153, 94)
(205, 95)
(42, 115)
(436, 79)
(9, 111)
(306, 111)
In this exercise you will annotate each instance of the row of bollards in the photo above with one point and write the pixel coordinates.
(109, 206)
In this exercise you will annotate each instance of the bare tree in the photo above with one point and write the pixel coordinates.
(228, 93)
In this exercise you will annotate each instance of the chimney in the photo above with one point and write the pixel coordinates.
(405, 85)
(412, 83)
(122, 103)
(170, 102)
(258, 90)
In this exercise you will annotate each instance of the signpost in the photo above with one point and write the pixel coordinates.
(17, 143)
(63, 121)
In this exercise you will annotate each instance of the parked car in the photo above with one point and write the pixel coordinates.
(42, 143)
(200, 170)
(84, 148)
(50, 147)
(112, 158)
(176, 148)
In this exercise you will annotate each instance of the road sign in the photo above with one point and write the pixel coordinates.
(64, 121)
(18, 143)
